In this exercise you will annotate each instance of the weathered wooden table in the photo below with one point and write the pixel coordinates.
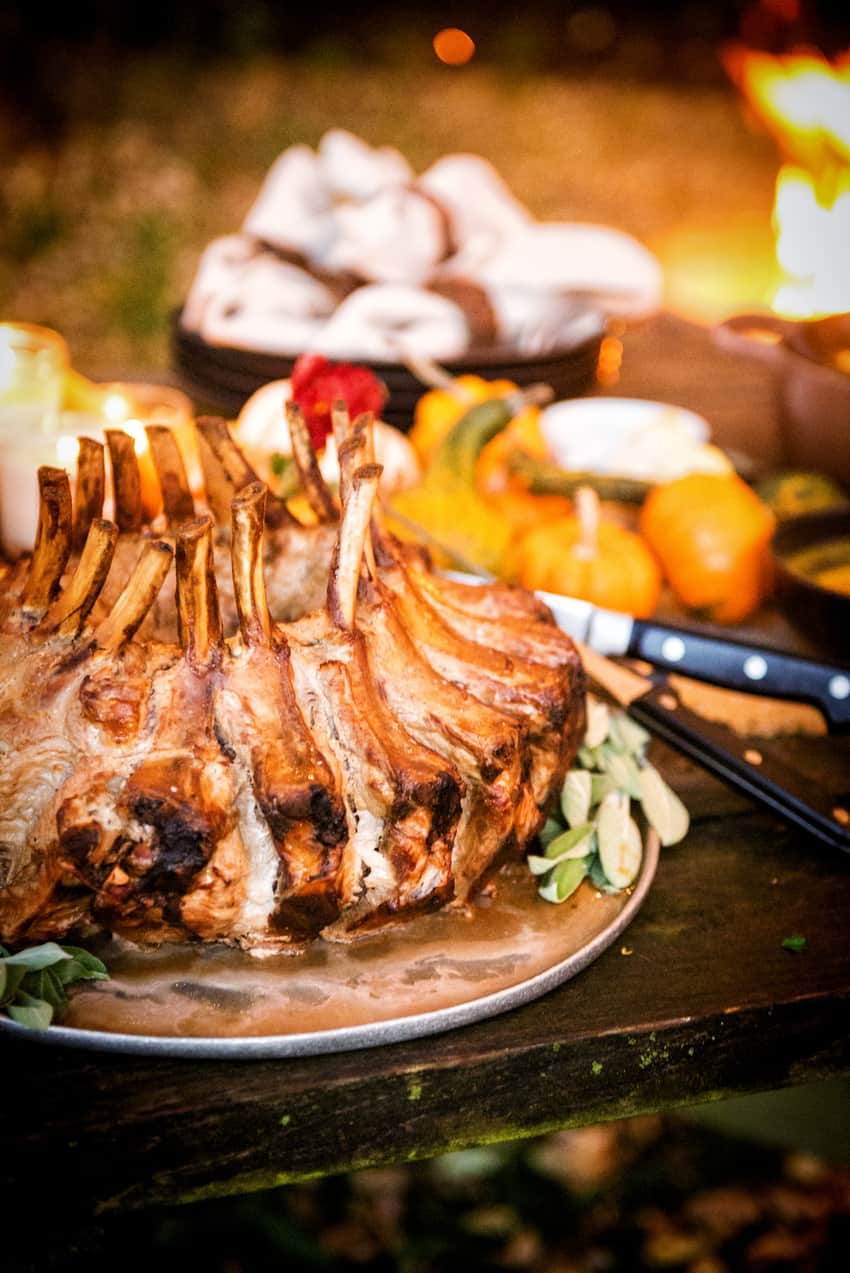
(699, 1000)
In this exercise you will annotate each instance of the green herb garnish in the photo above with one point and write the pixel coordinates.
(603, 840)
(33, 981)
(795, 943)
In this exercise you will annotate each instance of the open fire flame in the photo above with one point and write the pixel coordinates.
(804, 101)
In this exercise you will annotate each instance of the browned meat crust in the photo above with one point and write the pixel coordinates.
(312, 734)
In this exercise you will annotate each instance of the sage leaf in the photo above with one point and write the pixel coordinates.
(598, 878)
(563, 880)
(551, 829)
(598, 720)
(583, 849)
(601, 785)
(13, 977)
(568, 840)
(575, 797)
(51, 990)
(29, 1011)
(622, 769)
(620, 846)
(33, 981)
(34, 958)
(663, 809)
(588, 757)
(627, 735)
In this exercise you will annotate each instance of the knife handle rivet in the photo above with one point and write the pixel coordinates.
(752, 756)
(839, 686)
(842, 816)
(755, 667)
(672, 649)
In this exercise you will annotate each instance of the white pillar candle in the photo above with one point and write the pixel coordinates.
(36, 433)
(22, 453)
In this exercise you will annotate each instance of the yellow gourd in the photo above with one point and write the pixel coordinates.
(439, 409)
(583, 556)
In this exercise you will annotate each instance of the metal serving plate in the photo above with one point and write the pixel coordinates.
(429, 975)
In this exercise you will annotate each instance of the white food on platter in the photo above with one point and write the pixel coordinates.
(481, 209)
(386, 321)
(360, 215)
(562, 257)
(294, 210)
(220, 266)
(352, 169)
(630, 437)
(262, 431)
(396, 236)
(269, 305)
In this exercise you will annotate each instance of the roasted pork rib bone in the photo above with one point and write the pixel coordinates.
(313, 484)
(126, 480)
(177, 502)
(69, 612)
(291, 813)
(403, 799)
(198, 615)
(348, 552)
(226, 472)
(178, 863)
(340, 422)
(89, 489)
(137, 596)
(353, 454)
(487, 746)
(45, 685)
(247, 554)
(508, 633)
(52, 541)
(537, 694)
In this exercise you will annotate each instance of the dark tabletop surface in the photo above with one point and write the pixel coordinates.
(698, 1000)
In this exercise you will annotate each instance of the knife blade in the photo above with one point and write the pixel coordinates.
(756, 769)
(732, 664)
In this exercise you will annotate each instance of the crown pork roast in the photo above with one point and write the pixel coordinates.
(232, 727)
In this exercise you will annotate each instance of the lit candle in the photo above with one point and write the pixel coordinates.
(35, 432)
(33, 363)
(22, 456)
(130, 406)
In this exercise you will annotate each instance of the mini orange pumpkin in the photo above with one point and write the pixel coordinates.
(598, 561)
(711, 533)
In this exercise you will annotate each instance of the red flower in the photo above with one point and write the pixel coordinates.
(317, 384)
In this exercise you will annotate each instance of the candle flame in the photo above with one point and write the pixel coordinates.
(136, 430)
(117, 407)
(67, 451)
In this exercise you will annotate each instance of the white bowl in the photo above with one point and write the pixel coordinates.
(631, 437)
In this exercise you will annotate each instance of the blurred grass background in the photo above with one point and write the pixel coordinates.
(120, 162)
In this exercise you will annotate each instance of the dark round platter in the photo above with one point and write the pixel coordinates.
(223, 377)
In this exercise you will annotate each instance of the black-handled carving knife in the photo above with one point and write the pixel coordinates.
(736, 665)
(756, 769)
